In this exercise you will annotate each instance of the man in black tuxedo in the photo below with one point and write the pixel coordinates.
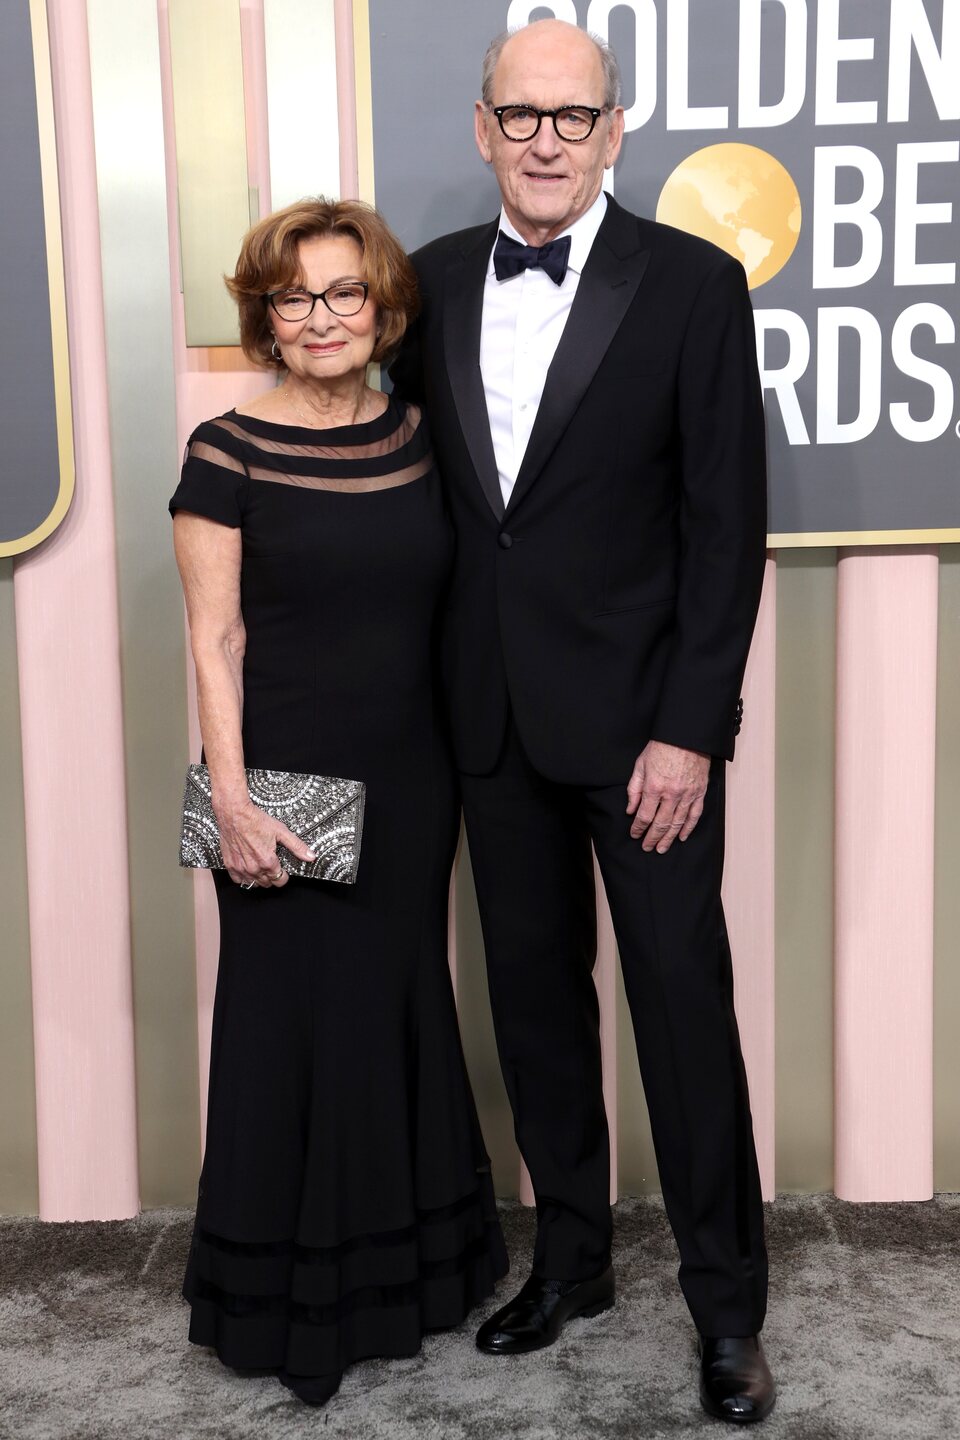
(591, 387)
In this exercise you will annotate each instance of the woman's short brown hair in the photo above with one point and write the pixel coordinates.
(268, 261)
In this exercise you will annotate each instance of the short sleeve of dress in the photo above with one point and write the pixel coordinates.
(213, 479)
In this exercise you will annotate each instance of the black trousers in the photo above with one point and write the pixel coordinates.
(530, 850)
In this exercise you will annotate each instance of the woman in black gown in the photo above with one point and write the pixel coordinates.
(345, 1204)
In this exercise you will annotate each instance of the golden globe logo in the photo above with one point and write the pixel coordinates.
(742, 199)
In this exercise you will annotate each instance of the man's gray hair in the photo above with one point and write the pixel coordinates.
(608, 61)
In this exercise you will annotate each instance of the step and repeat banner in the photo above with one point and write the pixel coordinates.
(819, 143)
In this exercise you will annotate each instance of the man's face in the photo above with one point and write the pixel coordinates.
(546, 182)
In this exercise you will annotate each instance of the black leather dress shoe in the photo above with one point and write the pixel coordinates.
(312, 1389)
(735, 1379)
(535, 1317)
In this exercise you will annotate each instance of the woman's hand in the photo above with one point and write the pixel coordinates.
(248, 842)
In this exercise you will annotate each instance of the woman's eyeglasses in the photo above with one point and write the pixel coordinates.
(347, 298)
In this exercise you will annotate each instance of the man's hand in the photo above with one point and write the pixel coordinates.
(665, 794)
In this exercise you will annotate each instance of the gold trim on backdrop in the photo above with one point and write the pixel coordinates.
(212, 181)
(816, 539)
(56, 285)
(302, 112)
(364, 93)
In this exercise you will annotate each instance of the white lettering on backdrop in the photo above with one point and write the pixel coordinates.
(845, 214)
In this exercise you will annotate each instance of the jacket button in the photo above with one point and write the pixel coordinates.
(504, 540)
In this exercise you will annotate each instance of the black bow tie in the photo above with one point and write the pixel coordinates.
(511, 258)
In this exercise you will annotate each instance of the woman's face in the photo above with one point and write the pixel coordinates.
(328, 347)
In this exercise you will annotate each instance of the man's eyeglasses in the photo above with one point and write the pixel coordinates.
(573, 122)
(346, 299)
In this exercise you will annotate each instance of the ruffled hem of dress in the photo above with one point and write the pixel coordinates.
(311, 1310)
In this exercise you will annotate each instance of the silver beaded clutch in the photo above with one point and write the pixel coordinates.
(325, 812)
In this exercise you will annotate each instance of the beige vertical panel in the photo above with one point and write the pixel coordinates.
(806, 689)
(18, 1118)
(214, 199)
(255, 108)
(302, 99)
(128, 127)
(636, 1161)
(366, 187)
(476, 1027)
(208, 382)
(605, 975)
(946, 964)
(748, 878)
(452, 918)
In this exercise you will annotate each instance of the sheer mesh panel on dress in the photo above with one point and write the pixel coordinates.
(201, 450)
(397, 458)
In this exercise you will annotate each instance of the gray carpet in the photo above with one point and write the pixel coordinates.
(863, 1334)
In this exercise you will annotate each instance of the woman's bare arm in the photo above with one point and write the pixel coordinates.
(208, 557)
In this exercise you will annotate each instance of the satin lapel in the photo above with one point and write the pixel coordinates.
(462, 315)
(610, 280)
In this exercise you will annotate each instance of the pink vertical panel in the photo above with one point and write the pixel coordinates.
(253, 50)
(347, 99)
(68, 654)
(748, 884)
(886, 733)
(208, 382)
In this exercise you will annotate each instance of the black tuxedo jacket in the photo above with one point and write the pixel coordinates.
(614, 599)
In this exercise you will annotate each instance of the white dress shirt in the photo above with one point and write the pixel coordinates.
(523, 319)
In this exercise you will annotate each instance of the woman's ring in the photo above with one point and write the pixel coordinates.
(248, 884)
(278, 874)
